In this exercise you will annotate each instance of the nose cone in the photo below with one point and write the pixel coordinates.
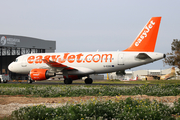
(11, 67)
(16, 67)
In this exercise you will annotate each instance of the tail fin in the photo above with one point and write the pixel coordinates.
(146, 40)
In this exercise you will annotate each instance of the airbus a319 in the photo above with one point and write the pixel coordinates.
(75, 65)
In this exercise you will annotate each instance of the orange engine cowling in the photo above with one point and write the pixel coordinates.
(40, 74)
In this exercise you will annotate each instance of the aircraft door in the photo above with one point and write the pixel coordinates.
(120, 59)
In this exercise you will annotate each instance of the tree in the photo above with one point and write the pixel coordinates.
(173, 58)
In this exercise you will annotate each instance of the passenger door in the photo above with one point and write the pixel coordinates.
(121, 59)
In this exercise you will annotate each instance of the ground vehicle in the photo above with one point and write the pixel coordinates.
(4, 78)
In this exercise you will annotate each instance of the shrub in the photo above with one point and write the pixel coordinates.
(95, 109)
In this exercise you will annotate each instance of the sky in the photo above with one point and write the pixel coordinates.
(91, 25)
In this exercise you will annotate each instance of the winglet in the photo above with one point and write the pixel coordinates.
(146, 40)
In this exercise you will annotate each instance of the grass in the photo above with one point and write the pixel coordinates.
(121, 82)
(97, 109)
(79, 90)
(126, 82)
(140, 82)
(100, 110)
(17, 85)
(98, 82)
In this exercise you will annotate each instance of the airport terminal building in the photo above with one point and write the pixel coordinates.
(12, 46)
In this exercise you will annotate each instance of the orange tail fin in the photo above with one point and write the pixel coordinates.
(146, 40)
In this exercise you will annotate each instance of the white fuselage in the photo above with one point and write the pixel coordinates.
(84, 62)
(41, 66)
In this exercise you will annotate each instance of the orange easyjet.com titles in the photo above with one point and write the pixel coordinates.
(71, 58)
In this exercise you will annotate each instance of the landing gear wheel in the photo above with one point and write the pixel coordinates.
(4, 81)
(88, 81)
(29, 81)
(67, 81)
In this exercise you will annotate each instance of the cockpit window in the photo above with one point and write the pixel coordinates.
(15, 60)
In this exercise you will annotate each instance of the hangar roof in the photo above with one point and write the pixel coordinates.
(26, 42)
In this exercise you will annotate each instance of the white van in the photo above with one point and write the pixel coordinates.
(4, 78)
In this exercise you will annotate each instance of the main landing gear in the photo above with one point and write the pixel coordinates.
(88, 80)
(67, 81)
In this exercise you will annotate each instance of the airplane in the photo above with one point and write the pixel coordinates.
(75, 65)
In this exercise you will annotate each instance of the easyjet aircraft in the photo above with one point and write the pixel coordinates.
(73, 66)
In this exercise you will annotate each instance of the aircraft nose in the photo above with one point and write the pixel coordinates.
(11, 67)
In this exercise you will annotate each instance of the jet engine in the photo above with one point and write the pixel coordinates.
(41, 74)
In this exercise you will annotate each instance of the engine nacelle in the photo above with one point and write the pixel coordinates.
(41, 74)
(73, 77)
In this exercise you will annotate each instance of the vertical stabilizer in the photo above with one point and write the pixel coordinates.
(146, 40)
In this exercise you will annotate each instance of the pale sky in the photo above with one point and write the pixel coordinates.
(91, 25)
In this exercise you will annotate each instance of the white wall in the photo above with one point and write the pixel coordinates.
(140, 73)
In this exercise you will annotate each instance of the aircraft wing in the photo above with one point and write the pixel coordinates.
(55, 66)
(58, 67)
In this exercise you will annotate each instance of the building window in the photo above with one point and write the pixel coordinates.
(154, 73)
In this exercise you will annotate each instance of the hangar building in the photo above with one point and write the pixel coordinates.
(12, 46)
